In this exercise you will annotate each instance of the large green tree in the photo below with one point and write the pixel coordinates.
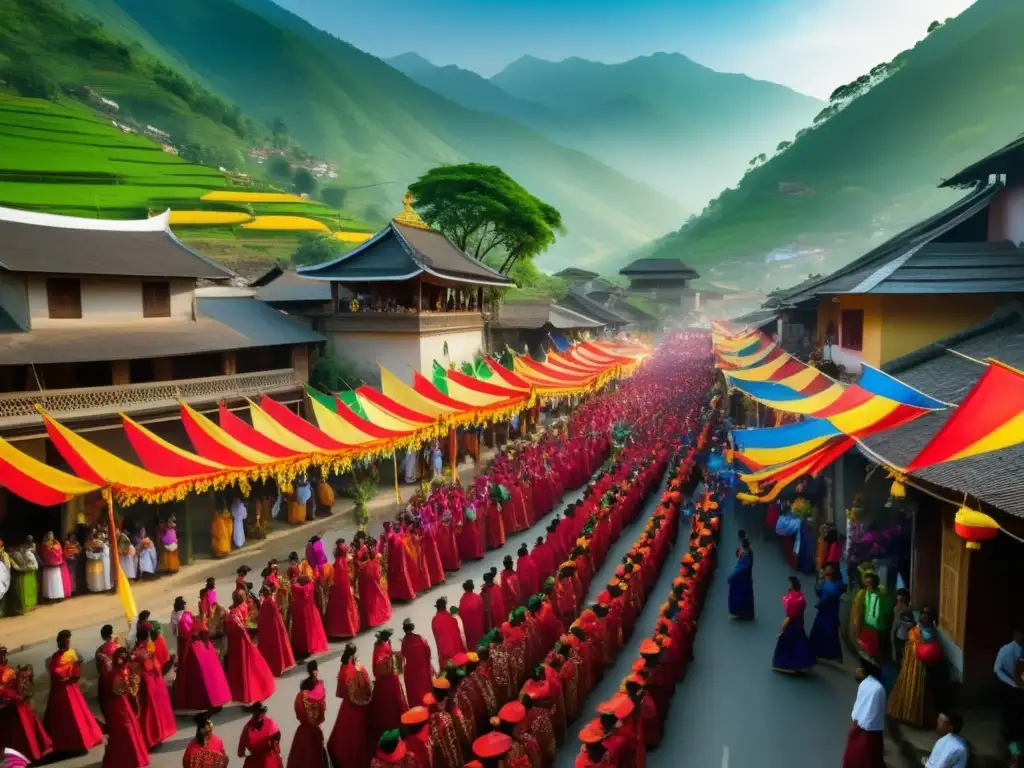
(482, 210)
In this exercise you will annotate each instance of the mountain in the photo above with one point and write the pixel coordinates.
(383, 129)
(664, 119)
(873, 167)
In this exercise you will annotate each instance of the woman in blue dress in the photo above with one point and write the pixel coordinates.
(792, 651)
(824, 637)
(741, 582)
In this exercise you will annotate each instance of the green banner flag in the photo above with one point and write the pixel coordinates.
(439, 377)
(483, 370)
(350, 399)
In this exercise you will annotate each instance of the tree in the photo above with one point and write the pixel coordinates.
(783, 146)
(933, 26)
(334, 196)
(304, 181)
(481, 208)
(279, 168)
(317, 250)
(278, 127)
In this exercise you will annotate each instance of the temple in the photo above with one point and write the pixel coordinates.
(664, 280)
(404, 298)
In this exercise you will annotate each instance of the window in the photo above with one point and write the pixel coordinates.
(64, 298)
(156, 299)
(851, 329)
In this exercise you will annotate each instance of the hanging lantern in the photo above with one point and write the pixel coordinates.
(974, 527)
(898, 490)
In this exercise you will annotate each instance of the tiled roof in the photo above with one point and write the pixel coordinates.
(288, 287)
(757, 318)
(1001, 161)
(995, 478)
(578, 301)
(537, 314)
(651, 267)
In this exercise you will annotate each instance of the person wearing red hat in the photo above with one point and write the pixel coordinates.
(448, 633)
(389, 700)
(537, 725)
(479, 684)
(308, 750)
(443, 733)
(416, 722)
(593, 752)
(349, 743)
(555, 697)
(509, 717)
(496, 750)
(650, 725)
(419, 669)
(473, 614)
(392, 752)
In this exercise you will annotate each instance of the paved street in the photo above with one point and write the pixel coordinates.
(732, 710)
(229, 722)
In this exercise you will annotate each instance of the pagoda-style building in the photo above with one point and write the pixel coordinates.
(405, 297)
(664, 280)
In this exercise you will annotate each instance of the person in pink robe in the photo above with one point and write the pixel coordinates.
(374, 603)
(201, 677)
(272, 638)
(156, 715)
(249, 677)
(419, 669)
(473, 614)
(342, 611)
(308, 636)
(68, 719)
(260, 742)
(449, 635)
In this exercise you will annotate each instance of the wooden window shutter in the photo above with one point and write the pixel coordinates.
(851, 329)
(156, 299)
(64, 298)
(953, 575)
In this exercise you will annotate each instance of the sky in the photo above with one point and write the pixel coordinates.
(811, 46)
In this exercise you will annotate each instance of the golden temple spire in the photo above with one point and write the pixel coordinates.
(408, 216)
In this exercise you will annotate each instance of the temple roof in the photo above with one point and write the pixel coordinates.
(68, 245)
(405, 248)
(578, 301)
(531, 315)
(654, 268)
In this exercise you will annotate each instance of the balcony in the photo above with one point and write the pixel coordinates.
(419, 324)
(19, 408)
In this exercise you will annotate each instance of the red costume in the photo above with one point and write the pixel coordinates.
(156, 716)
(105, 671)
(260, 744)
(20, 728)
(418, 669)
(474, 617)
(68, 720)
(448, 636)
(494, 605)
(349, 744)
(126, 747)
(249, 676)
(471, 545)
(342, 611)
(374, 603)
(308, 636)
(432, 556)
(400, 567)
(272, 638)
(529, 578)
(308, 749)
(510, 591)
(209, 755)
(388, 701)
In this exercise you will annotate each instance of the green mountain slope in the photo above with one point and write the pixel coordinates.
(382, 128)
(683, 128)
(873, 168)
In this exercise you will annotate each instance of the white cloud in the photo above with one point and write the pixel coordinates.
(830, 42)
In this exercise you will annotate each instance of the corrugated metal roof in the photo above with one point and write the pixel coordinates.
(995, 478)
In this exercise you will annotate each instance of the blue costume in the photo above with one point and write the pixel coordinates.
(824, 637)
(741, 585)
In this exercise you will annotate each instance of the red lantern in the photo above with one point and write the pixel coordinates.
(974, 527)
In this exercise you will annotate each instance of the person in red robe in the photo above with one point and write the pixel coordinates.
(126, 745)
(510, 589)
(156, 716)
(392, 752)
(494, 524)
(416, 561)
(272, 638)
(494, 603)
(389, 700)
(308, 636)
(20, 727)
(473, 614)
(543, 559)
(206, 750)
(308, 750)
(443, 731)
(417, 736)
(349, 743)
(419, 670)
(342, 611)
(105, 666)
(400, 586)
(526, 568)
(448, 633)
(432, 554)
(260, 742)
(68, 719)
(161, 652)
(374, 603)
(471, 543)
(249, 676)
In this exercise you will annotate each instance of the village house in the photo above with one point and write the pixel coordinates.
(100, 318)
(534, 327)
(664, 280)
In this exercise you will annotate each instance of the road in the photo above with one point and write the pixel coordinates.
(732, 710)
(229, 722)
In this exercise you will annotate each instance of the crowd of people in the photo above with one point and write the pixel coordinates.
(517, 633)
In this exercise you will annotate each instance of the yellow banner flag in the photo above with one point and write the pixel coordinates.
(124, 591)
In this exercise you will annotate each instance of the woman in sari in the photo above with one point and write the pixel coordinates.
(260, 742)
(56, 580)
(205, 750)
(126, 743)
(876, 612)
(73, 557)
(349, 744)
(741, 582)
(824, 638)
(68, 719)
(272, 635)
(307, 750)
(792, 651)
(374, 604)
(912, 700)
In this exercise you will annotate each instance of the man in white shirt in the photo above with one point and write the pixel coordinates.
(1011, 693)
(950, 750)
(865, 744)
